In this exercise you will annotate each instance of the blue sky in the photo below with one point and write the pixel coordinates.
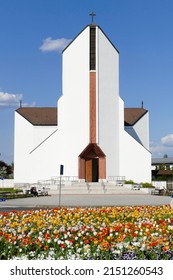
(33, 33)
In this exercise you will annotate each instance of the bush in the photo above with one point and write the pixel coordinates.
(146, 185)
(143, 185)
(129, 182)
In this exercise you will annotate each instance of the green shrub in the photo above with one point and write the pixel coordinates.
(129, 182)
(146, 185)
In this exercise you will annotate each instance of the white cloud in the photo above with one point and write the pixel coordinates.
(50, 44)
(162, 148)
(157, 150)
(167, 140)
(8, 100)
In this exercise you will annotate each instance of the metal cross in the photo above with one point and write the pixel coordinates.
(92, 16)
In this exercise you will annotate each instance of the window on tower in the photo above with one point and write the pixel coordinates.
(92, 48)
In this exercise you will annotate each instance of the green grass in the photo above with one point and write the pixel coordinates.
(9, 193)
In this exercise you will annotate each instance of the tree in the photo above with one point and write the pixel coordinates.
(3, 172)
(6, 171)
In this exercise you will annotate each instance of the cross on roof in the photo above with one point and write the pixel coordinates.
(92, 17)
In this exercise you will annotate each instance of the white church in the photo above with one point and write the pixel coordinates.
(90, 132)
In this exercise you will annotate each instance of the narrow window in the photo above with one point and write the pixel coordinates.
(92, 48)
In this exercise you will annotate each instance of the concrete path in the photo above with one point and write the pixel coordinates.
(86, 200)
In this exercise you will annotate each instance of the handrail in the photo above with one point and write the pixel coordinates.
(65, 178)
(116, 178)
(103, 185)
(88, 186)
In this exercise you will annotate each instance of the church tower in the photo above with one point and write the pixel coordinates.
(90, 83)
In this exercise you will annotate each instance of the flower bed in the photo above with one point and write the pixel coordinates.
(144, 232)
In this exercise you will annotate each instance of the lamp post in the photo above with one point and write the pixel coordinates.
(61, 173)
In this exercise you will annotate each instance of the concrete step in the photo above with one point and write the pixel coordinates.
(96, 188)
(74, 189)
(93, 188)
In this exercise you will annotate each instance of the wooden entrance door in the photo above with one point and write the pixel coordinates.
(91, 170)
(92, 163)
(88, 169)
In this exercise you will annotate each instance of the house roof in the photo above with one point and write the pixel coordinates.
(132, 115)
(164, 172)
(48, 115)
(39, 116)
(166, 160)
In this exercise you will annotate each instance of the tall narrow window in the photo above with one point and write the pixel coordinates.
(92, 48)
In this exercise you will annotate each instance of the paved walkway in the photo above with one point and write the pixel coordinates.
(86, 200)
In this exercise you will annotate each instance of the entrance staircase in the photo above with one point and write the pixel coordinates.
(93, 188)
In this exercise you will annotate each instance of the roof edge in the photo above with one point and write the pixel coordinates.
(90, 25)
(131, 124)
(21, 111)
(141, 117)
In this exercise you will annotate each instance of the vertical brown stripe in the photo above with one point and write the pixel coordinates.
(92, 107)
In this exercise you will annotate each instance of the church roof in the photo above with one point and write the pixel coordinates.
(132, 115)
(48, 115)
(39, 116)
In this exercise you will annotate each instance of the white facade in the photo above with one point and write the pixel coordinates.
(41, 149)
(34, 154)
(108, 103)
(142, 129)
(73, 112)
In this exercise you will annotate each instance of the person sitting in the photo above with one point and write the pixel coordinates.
(34, 191)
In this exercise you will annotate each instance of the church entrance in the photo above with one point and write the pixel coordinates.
(91, 170)
(92, 164)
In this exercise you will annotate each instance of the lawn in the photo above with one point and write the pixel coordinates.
(136, 232)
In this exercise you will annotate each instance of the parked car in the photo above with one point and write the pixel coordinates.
(136, 187)
(42, 191)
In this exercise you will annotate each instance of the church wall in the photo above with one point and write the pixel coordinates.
(73, 106)
(40, 133)
(44, 159)
(135, 161)
(142, 129)
(108, 103)
(35, 157)
(22, 146)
